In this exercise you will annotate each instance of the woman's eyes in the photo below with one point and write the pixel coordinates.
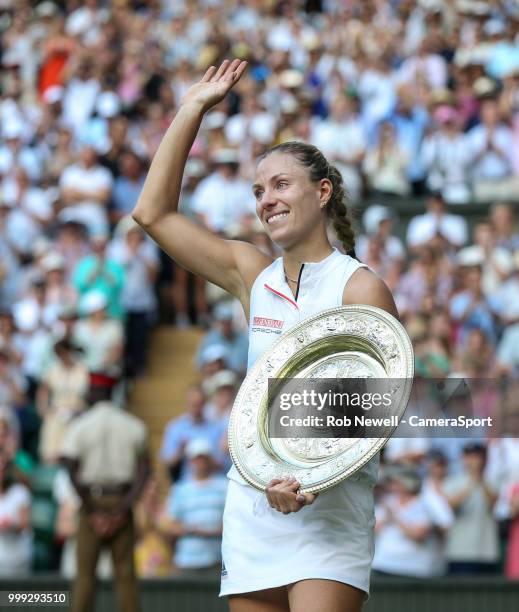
(279, 185)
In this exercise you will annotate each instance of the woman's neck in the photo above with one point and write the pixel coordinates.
(304, 253)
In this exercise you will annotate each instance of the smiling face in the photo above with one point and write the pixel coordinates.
(288, 203)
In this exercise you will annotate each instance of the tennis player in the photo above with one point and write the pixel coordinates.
(282, 550)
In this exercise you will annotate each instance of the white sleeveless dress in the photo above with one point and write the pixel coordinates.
(334, 537)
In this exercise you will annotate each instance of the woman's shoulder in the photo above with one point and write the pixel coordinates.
(250, 261)
(365, 287)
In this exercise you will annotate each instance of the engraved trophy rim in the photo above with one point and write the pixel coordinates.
(368, 329)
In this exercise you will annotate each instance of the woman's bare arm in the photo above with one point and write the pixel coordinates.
(232, 265)
(364, 287)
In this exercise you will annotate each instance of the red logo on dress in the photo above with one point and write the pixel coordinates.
(263, 322)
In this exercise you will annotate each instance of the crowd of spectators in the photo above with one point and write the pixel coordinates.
(409, 98)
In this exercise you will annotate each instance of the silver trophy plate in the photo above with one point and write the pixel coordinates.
(353, 341)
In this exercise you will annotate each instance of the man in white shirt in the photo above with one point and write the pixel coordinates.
(424, 229)
(491, 145)
(86, 188)
(80, 96)
(223, 199)
(341, 138)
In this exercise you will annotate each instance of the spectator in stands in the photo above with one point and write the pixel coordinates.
(86, 188)
(11, 384)
(505, 226)
(222, 199)
(512, 559)
(503, 459)
(410, 120)
(23, 463)
(508, 351)
(101, 340)
(341, 137)
(427, 275)
(437, 225)
(496, 262)
(11, 341)
(98, 272)
(386, 164)
(212, 359)
(190, 425)
(138, 256)
(441, 514)
(490, 147)
(127, 186)
(222, 391)
(72, 243)
(471, 309)
(194, 511)
(81, 88)
(15, 533)
(152, 550)
(403, 541)
(445, 157)
(225, 335)
(9, 263)
(378, 221)
(61, 395)
(106, 454)
(472, 542)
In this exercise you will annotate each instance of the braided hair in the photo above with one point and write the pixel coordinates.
(319, 168)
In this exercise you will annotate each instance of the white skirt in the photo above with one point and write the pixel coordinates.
(332, 539)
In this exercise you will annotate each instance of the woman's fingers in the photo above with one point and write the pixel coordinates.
(240, 70)
(208, 74)
(221, 70)
(306, 499)
(282, 495)
(230, 69)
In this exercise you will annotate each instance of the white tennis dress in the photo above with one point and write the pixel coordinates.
(333, 538)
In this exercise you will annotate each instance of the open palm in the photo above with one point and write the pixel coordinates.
(215, 84)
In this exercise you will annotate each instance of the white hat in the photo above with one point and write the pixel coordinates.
(13, 129)
(108, 104)
(223, 378)
(373, 216)
(291, 79)
(493, 27)
(223, 312)
(53, 261)
(225, 156)
(195, 168)
(53, 94)
(214, 352)
(197, 447)
(41, 246)
(215, 120)
(46, 9)
(473, 7)
(93, 301)
(470, 256)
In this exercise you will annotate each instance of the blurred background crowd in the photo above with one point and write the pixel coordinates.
(414, 99)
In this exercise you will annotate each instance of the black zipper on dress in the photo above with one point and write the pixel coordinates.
(299, 280)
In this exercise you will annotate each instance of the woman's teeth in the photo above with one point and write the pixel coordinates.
(275, 217)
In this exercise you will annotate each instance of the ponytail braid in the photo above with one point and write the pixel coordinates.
(318, 168)
(337, 212)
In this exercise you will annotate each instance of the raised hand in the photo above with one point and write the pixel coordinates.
(215, 84)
